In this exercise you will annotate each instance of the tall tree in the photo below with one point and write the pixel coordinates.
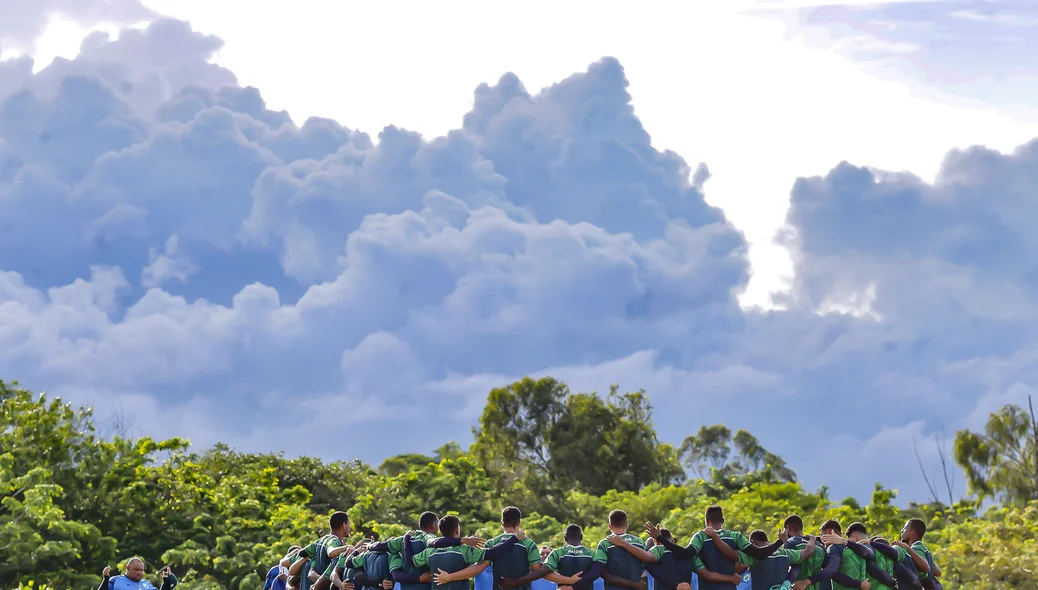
(610, 444)
(710, 453)
(537, 435)
(1002, 463)
(707, 449)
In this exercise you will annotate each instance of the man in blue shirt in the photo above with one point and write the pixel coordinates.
(133, 579)
(276, 579)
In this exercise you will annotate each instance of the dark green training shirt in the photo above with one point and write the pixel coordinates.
(619, 561)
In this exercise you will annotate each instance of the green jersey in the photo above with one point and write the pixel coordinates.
(741, 542)
(319, 560)
(885, 564)
(570, 560)
(770, 572)
(812, 565)
(419, 542)
(450, 560)
(396, 544)
(851, 564)
(699, 539)
(618, 561)
(396, 550)
(924, 552)
(515, 563)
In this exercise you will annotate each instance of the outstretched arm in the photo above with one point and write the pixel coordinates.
(402, 577)
(845, 580)
(907, 580)
(297, 566)
(661, 575)
(755, 551)
(441, 577)
(718, 578)
(538, 572)
(455, 541)
(886, 551)
(794, 573)
(408, 554)
(442, 542)
(337, 551)
(876, 572)
(617, 581)
(725, 549)
(562, 580)
(642, 555)
(689, 552)
(862, 550)
(829, 566)
(588, 580)
(920, 562)
(497, 551)
(365, 580)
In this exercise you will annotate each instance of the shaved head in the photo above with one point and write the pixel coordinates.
(135, 569)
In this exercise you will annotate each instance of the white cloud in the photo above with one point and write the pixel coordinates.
(196, 254)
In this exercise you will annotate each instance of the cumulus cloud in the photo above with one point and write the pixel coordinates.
(169, 246)
(23, 22)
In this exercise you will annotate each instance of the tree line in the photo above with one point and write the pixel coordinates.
(73, 501)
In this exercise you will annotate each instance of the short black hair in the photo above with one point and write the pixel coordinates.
(338, 519)
(857, 527)
(449, 525)
(574, 533)
(832, 525)
(916, 525)
(714, 514)
(618, 519)
(794, 523)
(759, 535)
(666, 534)
(426, 520)
(878, 540)
(511, 516)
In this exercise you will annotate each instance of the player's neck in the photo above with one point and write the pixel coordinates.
(509, 529)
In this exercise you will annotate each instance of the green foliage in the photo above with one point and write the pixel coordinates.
(538, 441)
(710, 452)
(1002, 463)
(72, 502)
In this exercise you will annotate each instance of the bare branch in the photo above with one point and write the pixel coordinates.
(1034, 434)
(940, 439)
(926, 478)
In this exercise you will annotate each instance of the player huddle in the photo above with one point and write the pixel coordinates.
(438, 557)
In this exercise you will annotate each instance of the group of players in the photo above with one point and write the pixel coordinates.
(437, 557)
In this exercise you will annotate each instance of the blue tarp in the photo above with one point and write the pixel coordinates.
(485, 581)
(745, 585)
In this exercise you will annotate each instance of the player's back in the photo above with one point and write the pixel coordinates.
(769, 572)
(574, 559)
(813, 564)
(450, 560)
(621, 563)
(715, 561)
(515, 563)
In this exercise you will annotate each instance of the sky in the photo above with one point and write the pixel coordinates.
(302, 229)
